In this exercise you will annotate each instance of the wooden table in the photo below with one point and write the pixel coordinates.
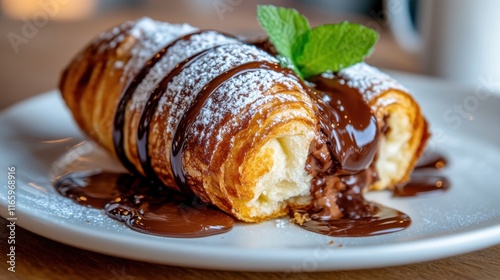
(41, 258)
(35, 68)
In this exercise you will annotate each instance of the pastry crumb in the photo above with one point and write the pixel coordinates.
(300, 218)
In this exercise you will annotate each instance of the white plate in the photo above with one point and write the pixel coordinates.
(34, 133)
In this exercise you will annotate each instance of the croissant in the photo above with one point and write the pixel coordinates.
(216, 117)
(405, 130)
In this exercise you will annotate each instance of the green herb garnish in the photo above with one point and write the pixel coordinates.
(309, 52)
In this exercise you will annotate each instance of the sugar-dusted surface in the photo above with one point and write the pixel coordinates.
(112, 37)
(368, 80)
(185, 87)
(177, 53)
(151, 37)
(224, 53)
(242, 98)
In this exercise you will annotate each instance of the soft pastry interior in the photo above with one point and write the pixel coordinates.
(247, 144)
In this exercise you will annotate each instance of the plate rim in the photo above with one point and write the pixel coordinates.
(254, 260)
(469, 241)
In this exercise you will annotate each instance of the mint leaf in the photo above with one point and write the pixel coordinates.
(283, 26)
(298, 49)
(309, 52)
(332, 47)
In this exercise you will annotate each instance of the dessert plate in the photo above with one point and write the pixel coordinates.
(466, 129)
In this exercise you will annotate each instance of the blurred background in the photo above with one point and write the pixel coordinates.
(39, 37)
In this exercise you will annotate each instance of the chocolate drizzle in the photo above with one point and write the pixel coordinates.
(349, 125)
(119, 121)
(431, 161)
(385, 220)
(143, 207)
(150, 109)
(425, 181)
(179, 140)
(341, 162)
(90, 188)
(344, 152)
(422, 184)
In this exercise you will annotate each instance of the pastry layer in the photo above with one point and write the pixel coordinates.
(245, 148)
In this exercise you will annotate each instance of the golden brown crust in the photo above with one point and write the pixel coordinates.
(256, 124)
(402, 106)
(222, 168)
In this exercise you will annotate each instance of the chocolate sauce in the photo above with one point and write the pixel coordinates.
(119, 121)
(89, 188)
(431, 161)
(349, 125)
(339, 208)
(351, 215)
(384, 220)
(142, 206)
(179, 140)
(424, 181)
(149, 111)
(422, 184)
(341, 163)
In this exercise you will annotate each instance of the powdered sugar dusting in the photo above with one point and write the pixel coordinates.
(45, 202)
(110, 39)
(180, 51)
(238, 93)
(143, 25)
(151, 37)
(185, 87)
(368, 80)
(119, 64)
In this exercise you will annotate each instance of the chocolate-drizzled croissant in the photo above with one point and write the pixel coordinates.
(404, 129)
(211, 115)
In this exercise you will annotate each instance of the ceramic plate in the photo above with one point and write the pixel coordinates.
(465, 122)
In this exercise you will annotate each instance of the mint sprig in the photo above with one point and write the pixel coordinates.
(309, 52)
(285, 25)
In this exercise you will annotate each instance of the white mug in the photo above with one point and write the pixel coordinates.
(457, 39)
